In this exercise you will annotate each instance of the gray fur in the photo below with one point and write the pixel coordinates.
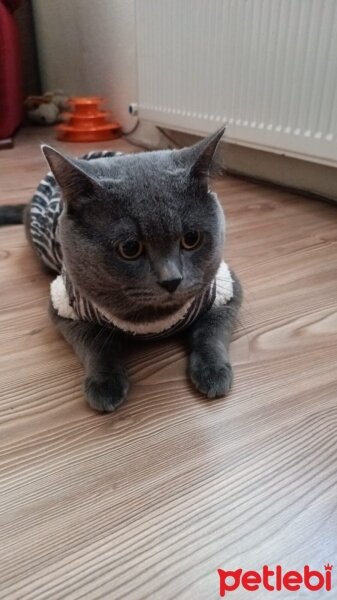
(101, 353)
(209, 338)
(155, 197)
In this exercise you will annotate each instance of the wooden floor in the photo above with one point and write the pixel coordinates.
(149, 502)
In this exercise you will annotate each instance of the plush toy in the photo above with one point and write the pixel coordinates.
(46, 109)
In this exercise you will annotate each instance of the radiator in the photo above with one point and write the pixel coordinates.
(267, 68)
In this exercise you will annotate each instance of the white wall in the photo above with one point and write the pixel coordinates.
(89, 47)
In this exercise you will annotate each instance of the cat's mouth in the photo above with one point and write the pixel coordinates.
(167, 302)
(149, 297)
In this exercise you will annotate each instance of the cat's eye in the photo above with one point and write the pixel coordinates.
(191, 240)
(130, 250)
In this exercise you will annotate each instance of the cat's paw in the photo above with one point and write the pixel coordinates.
(105, 392)
(212, 376)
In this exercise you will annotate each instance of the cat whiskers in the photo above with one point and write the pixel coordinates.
(140, 294)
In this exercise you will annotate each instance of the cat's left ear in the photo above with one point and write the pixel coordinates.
(199, 158)
(73, 181)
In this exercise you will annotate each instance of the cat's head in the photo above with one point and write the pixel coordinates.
(140, 233)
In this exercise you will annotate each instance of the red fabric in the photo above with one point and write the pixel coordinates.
(12, 5)
(11, 100)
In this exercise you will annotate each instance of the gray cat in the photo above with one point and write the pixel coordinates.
(136, 242)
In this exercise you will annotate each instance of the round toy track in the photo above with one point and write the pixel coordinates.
(86, 122)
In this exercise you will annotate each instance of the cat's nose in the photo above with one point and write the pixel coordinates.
(170, 284)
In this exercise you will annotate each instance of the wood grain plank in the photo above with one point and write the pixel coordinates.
(150, 501)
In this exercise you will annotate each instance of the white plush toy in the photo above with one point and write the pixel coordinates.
(46, 109)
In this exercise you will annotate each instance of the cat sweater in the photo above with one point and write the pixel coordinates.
(46, 207)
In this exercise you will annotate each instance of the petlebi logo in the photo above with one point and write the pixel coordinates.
(275, 579)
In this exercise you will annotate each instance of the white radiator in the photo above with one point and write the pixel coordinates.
(266, 67)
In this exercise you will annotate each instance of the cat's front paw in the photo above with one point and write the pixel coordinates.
(211, 375)
(106, 391)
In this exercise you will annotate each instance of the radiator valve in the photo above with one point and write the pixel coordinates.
(133, 109)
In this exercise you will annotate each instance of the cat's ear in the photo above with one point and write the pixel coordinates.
(199, 158)
(73, 181)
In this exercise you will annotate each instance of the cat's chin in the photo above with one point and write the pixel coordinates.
(153, 311)
(148, 307)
